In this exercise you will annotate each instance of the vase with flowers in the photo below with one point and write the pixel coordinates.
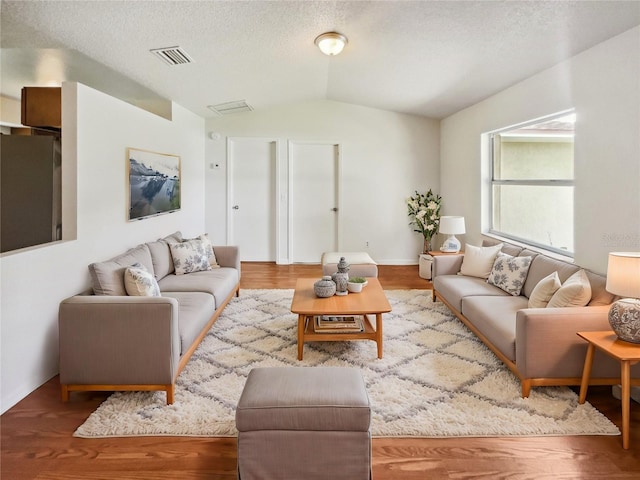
(424, 211)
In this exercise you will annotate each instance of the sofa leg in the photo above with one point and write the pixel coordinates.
(170, 392)
(64, 391)
(526, 388)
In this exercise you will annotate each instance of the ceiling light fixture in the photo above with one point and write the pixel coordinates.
(331, 43)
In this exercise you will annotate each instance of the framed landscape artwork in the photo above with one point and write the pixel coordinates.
(154, 183)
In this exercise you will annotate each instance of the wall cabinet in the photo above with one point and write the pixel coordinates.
(42, 107)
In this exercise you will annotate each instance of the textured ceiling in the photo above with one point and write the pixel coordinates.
(428, 58)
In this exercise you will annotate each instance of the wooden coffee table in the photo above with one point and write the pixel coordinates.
(371, 301)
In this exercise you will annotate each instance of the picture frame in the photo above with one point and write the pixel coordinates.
(154, 183)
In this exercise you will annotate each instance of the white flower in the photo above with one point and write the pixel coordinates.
(423, 210)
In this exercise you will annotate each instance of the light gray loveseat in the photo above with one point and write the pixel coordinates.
(112, 341)
(539, 345)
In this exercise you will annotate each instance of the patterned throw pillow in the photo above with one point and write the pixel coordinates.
(212, 256)
(139, 282)
(191, 256)
(509, 273)
(209, 248)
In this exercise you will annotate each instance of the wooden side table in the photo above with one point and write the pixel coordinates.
(627, 354)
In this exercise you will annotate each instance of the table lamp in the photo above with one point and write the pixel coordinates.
(450, 225)
(623, 279)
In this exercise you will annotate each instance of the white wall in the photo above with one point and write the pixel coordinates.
(94, 152)
(603, 85)
(385, 157)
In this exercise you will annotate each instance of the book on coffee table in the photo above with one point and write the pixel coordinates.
(338, 324)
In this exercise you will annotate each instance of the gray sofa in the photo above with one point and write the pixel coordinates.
(539, 345)
(112, 341)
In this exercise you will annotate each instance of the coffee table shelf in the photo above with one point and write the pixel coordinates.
(370, 302)
(311, 335)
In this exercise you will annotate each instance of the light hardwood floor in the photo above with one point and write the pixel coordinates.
(37, 440)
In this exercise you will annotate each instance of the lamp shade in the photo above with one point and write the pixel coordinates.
(451, 225)
(623, 274)
(331, 43)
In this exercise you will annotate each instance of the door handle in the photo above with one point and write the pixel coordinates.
(236, 207)
(334, 209)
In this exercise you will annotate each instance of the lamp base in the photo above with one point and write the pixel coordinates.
(451, 245)
(624, 318)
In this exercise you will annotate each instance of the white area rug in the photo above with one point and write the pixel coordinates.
(435, 380)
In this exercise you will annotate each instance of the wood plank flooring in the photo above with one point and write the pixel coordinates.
(37, 440)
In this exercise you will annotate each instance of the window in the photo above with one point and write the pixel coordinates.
(532, 183)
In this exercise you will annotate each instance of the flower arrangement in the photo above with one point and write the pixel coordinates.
(424, 211)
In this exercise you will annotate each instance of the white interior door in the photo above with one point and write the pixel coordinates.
(252, 197)
(314, 207)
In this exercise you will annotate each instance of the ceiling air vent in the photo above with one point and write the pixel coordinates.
(231, 107)
(172, 55)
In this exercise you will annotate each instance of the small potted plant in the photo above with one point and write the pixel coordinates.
(355, 284)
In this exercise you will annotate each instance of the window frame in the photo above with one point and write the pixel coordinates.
(493, 182)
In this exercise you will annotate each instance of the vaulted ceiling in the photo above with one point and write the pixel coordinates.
(429, 58)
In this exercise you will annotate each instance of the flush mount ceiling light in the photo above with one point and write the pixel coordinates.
(331, 43)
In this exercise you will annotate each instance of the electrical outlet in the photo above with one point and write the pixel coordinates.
(366, 244)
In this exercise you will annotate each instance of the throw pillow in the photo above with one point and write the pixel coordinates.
(478, 261)
(139, 282)
(108, 277)
(190, 256)
(574, 292)
(509, 273)
(544, 290)
(209, 247)
(212, 256)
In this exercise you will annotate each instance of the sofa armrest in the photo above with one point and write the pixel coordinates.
(118, 340)
(228, 256)
(447, 264)
(547, 344)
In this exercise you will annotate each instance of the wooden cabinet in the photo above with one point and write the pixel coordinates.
(42, 107)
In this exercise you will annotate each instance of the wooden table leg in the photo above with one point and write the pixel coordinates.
(379, 333)
(586, 373)
(301, 325)
(625, 378)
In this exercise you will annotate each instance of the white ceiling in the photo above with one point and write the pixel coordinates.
(429, 58)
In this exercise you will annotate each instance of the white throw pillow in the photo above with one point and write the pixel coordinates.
(209, 246)
(478, 261)
(190, 256)
(544, 290)
(574, 292)
(509, 273)
(139, 282)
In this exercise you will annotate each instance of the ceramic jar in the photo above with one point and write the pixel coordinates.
(325, 287)
(341, 277)
(624, 318)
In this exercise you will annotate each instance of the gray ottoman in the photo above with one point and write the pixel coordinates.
(304, 423)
